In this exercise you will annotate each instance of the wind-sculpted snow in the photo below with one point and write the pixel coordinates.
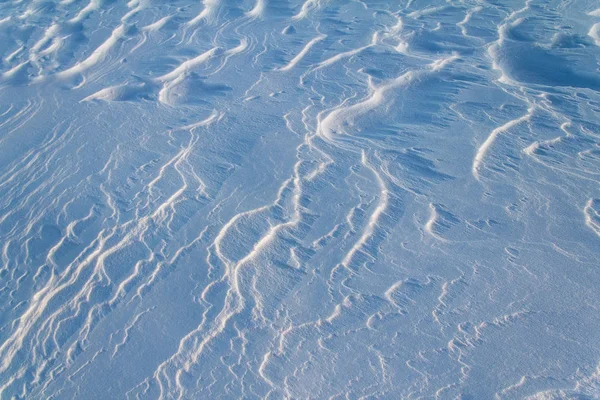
(287, 199)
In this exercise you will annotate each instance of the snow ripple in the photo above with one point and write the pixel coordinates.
(299, 199)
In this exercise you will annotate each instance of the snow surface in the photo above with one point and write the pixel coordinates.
(275, 199)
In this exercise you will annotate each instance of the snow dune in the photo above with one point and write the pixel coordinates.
(299, 199)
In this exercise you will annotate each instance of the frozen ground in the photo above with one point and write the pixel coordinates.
(274, 199)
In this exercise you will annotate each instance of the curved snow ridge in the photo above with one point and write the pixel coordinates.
(92, 6)
(99, 54)
(299, 199)
(480, 154)
(259, 9)
(188, 65)
(373, 221)
(594, 33)
(592, 215)
(209, 12)
(334, 121)
(294, 61)
(306, 8)
(440, 220)
(468, 15)
(169, 84)
(346, 54)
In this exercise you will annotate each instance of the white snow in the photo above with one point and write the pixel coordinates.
(299, 199)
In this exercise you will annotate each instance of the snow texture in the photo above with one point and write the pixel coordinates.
(276, 199)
